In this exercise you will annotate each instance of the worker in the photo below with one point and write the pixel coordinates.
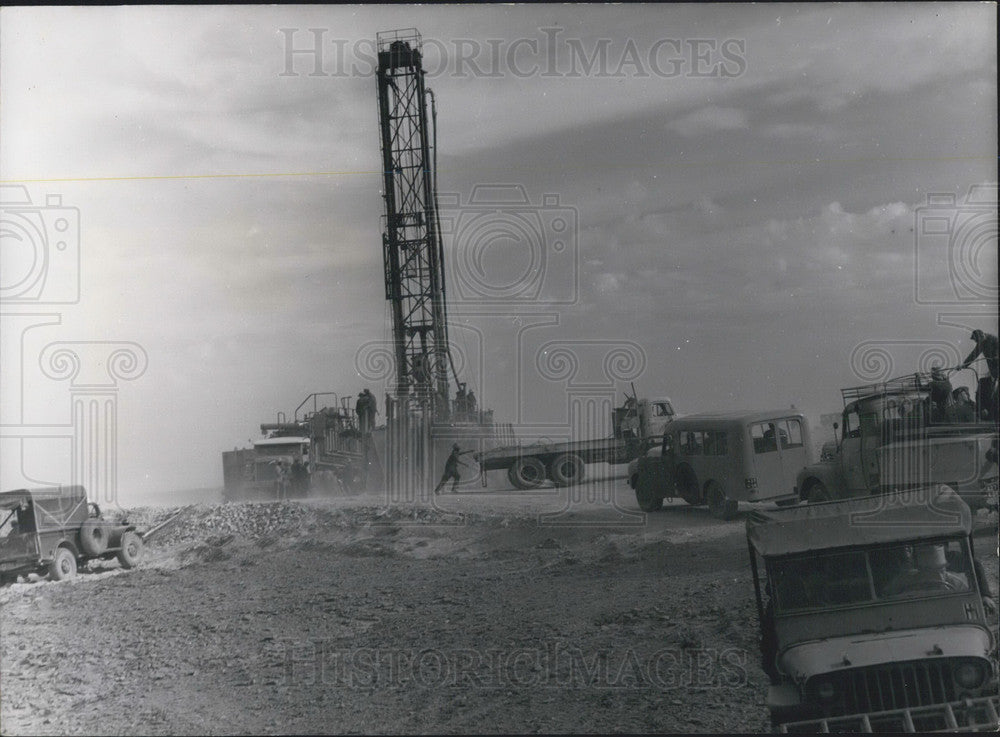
(940, 395)
(470, 402)
(299, 477)
(281, 480)
(986, 346)
(366, 408)
(371, 409)
(963, 409)
(986, 391)
(929, 573)
(451, 469)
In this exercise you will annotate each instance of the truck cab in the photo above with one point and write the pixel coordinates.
(873, 616)
(889, 441)
(643, 418)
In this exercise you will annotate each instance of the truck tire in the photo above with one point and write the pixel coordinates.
(527, 473)
(817, 492)
(93, 537)
(719, 505)
(131, 550)
(566, 469)
(63, 565)
(647, 498)
(687, 486)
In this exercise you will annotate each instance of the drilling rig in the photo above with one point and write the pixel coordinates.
(422, 420)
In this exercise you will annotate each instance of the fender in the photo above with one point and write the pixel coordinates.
(49, 553)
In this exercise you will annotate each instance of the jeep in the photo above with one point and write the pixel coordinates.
(874, 615)
(55, 530)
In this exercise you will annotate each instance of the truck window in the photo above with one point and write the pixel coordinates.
(661, 409)
(790, 432)
(691, 442)
(920, 570)
(764, 437)
(716, 443)
(9, 522)
(834, 579)
(852, 426)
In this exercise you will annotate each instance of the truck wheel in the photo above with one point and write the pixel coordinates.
(817, 492)
(526, 473)
(63, 565)
(719, 505)
(687, 486)
(566, 469)
(131, 550)
(647, 499)
(93, 537)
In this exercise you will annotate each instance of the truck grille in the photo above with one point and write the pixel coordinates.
(895, 686)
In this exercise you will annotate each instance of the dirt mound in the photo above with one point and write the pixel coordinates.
(213, 533)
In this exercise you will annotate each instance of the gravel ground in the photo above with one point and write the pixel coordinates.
(344, 615)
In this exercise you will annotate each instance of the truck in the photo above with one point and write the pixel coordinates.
(326, 440)
(874, 615)
(720, 459)
(638, 424)
(55, 530)
(892, 438)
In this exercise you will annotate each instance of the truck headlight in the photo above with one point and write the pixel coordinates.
(969, 674)
(825, 690)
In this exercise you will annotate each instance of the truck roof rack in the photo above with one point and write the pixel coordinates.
(899, 385)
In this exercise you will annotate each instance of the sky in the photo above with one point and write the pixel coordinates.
(737, 207)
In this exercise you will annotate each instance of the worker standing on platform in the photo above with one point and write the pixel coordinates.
(366, 409)
(986, 391)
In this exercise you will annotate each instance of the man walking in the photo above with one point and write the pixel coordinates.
(451, 469)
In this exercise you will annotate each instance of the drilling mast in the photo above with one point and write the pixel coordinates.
(411, 238)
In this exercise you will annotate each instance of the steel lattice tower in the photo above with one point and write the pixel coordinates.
(411, 241)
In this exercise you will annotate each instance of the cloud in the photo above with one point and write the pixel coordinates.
(709, 120)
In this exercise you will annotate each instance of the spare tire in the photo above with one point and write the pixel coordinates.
(93, 537)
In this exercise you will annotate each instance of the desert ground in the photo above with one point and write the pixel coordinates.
(484, 611)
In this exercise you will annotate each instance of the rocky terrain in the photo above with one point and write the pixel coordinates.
(472, 614)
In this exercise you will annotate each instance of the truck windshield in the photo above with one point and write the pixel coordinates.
(6, 527)
(284, 449)
(858, 576)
